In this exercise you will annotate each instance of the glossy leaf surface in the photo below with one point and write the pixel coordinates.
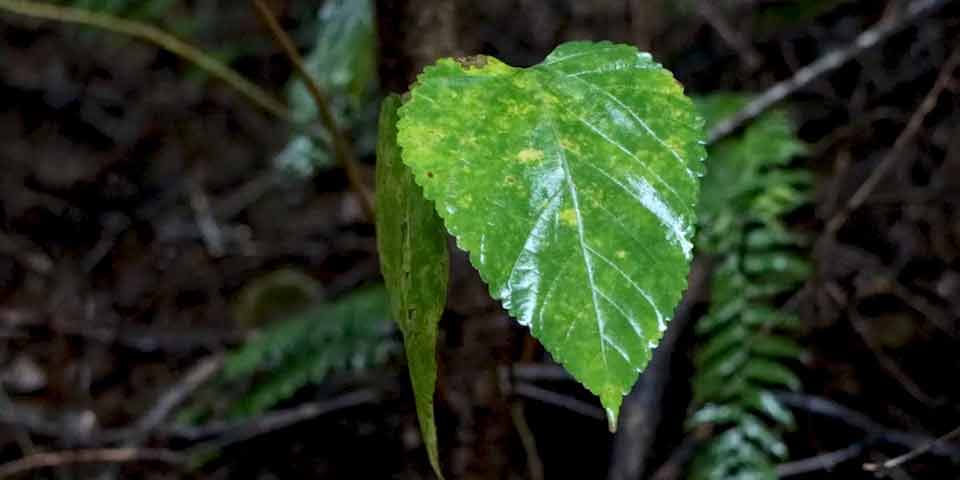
(413, 256)
(572, 184)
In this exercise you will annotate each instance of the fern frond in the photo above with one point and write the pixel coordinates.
(745, 349)
(349, 335)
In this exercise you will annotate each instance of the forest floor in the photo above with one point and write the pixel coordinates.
(114, 154)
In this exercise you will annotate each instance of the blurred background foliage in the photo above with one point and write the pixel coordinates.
(343, 61)
(151, 220)
(746, 347)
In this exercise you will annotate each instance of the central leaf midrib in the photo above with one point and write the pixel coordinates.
(588, 265)
(585, 250)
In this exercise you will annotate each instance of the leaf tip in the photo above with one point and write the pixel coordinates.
(611, 406)
(611, 419)
(435, 464)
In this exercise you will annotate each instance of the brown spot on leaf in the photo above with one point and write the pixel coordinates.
(472, 61)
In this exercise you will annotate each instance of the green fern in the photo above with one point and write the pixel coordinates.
(745, 349)
(349, 335)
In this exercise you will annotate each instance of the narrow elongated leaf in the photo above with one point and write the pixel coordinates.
(414, 260)
(572, 185)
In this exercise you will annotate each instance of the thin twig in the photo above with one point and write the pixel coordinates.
(829, 62)
(533, 392)
(673, 467)
(876, 431)
(823, 462)
(248, 193)
(104, 455)
(713, 15)
(528, 440)
(895, 153)
(203, 371)
(156, 36)
(150, 421)
(31, 420)
(640, 415)
(916, 452)
(890, 365)
(230, 433)
(537, 372)
(44, 424)
(342, 149)
(206, 223)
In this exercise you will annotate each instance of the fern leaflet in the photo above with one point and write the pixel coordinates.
(745, 350)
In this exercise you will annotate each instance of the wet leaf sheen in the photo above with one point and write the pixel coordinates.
(572, 184)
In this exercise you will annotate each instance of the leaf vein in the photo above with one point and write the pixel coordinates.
(630, 154)
(636, 327)
(588, 265)
(660, 320)
(656, 206)
(541, 215)
(641, 121)
(557, 60)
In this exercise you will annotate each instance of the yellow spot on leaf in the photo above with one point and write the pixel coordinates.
(621, 254)
(550, 99)
(468, 140)
(596, 198)
(523, 81)
(428, 135)
(530, 155)
(516, 109)
(569, 145)
(569, 217)
(675, 144)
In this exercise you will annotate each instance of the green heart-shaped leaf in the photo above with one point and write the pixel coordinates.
(572, 184)
(413, 256)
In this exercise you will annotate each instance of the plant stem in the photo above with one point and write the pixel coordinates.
(916, 452)
(342, 149)
(103, 455)
(156, 36)
(827, 63)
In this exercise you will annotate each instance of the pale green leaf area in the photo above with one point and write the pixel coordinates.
(343, 61)
(413, 256)
(572, 184)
